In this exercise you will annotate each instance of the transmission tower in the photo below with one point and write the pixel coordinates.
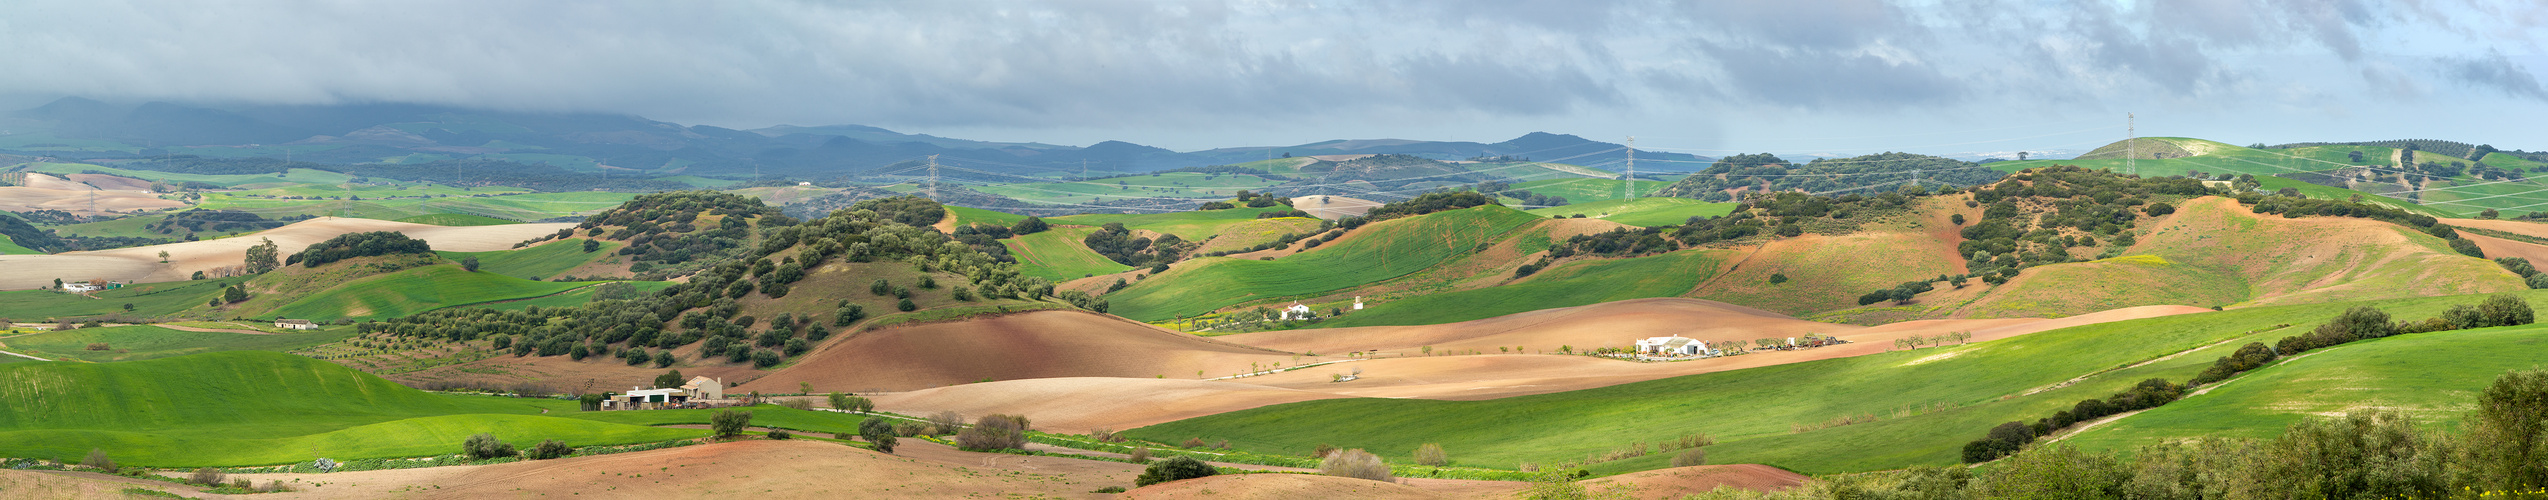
(1629, 189)
(2131, 151)
(933, 177)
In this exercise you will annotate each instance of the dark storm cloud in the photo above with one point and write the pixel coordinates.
(2493, 72)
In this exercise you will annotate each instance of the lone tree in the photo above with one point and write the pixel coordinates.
(469, 263)
(669, 379)
(485, 446)
(730, 423)
(264, 257)
(878, 433)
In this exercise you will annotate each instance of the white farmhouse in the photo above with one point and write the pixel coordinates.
(1684, 346)
(1297, 311)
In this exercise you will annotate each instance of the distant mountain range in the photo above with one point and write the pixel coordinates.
(82, 128)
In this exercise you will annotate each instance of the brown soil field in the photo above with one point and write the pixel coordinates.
(1077, 404)
(2509, 226)
(1041, 344)
(50, 181)
(80, 485)
(1608, 324)
(141, 264)
(78, 200)
(1679, 481)
(1333, 207)
(1292, 486)
(2499, 248)
(111, 182)
(742, 469)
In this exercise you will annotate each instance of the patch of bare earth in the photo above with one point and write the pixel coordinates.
(142, 264)
(1678, 481)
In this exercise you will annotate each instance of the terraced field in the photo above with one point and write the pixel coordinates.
(1925, 404)
(1374, 253)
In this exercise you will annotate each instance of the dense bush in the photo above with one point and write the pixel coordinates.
(1690, 457)
(207, 476)
(995, 432)
(1355, 463)
(484, 446)
(548, 449)
(729, 423)
(1173, 469)
(1431, 454)
(879, 433)
(352, 245)
(97, 459)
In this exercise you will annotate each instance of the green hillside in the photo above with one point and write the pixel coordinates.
(1057, 255)
(1374, 253)
(258, 408)
(1646, 212)
(570, 298)
(11, 247)
(1572, 284)
(1160, 185)
(457, 220)
(148, 299)
(412, 291)
(139, 342)
(538, 262)
(1191, 226)
(969, 215)
(1752, 412)
(2430, 376)
(1581, 190)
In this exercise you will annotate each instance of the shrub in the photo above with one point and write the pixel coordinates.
(1323, 451)
(1173, 469)
(1111, 489)
(730, 423)
(1693, 456)
(484, 446)
(994, 432)
(799, 404)
(2507, 432)
(781, 434)
(1140, 454)
(548, 449)
(878, 433)
(1431, 454)
(1355, 463)
(906, 305)
(207, 476)
(946, 422)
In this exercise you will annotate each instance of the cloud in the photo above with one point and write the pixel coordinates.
(2493, 72)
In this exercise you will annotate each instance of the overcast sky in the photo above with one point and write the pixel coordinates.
(1708, 77)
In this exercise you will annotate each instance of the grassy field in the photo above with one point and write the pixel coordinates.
(139, 342)
(538, 262)
(762, 416)
(1191, 226)
(293, 176)
(2433, 377)
(1751, 412)
(1573, 284)
(1244, 234)
(524, 207)
(1646, 212)
(148, 299)
(261, 408)
(1584, 190)
(8, 246)
(457, 220)
(969, 215)
(1160, 185)
(413, 291)
(1388, 250)
(1058, 255)
(575, 297)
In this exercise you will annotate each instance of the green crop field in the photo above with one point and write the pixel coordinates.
(1572, 284)
(8, 246)
(1580, 190)
(969, 215)
(1191, 226)
(2433, 377)
(1375, 253)
(457, 220)
(148, 299)
(1644, 212)
(1058, 255)
(538, 262)
(139, 342)
(576, 297)
(259, 408)
(413, 291)
(1160, 185)
(1751, 412)
(824, 422)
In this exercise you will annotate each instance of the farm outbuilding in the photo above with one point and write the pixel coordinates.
(1672, 345)
(295, 324)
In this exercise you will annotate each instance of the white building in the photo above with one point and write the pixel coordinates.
(1297, 311)
(295, 324)
(78, 287)
(1684, 346)
(705, 388)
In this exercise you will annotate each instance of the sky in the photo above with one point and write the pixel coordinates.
(1964, 77)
